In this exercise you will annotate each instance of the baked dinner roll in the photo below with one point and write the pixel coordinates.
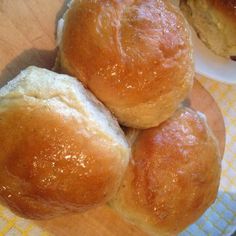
(173, 176)
(135, 56)
(215, 23)
(61, 150)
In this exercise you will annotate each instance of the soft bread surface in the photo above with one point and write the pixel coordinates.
(61, 150)
(215, 23)
(173, 176)
(135, 56)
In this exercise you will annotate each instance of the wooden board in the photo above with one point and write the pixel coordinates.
(201, 100)
(27, 37)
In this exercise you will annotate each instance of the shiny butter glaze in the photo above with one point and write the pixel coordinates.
(128, 53)
(51, 164)
(173, 176)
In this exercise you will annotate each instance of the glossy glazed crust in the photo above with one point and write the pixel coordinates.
(54, 159)
(173, 176)
(135, 56)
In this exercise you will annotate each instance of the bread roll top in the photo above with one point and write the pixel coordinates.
(135, 56)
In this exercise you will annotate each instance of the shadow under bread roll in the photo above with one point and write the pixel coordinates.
(135, 56)
(61, 151)
(173, 176)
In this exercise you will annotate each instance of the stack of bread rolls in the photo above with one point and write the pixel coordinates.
(63, 150)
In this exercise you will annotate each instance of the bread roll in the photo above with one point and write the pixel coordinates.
(135, 56)
(61, 150)
(173, 176)
(215, 23)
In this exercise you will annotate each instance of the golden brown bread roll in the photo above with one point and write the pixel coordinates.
(61, 150)
(173, 176)
(215, 23)
(135, 56)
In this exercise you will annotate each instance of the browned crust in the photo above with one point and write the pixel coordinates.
(129, 54)
(173, 176)
(227, 7)
(51, 164)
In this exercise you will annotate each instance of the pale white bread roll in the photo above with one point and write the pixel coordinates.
(214, 22)
(61, 150)
(173, 176)
(135, 56)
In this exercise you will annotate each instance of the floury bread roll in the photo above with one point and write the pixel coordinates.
(60, 149)
(173, 176)
(215, 23)
(135, 56)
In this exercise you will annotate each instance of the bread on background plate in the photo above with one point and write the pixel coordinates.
(207, 62)
(214, 22)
